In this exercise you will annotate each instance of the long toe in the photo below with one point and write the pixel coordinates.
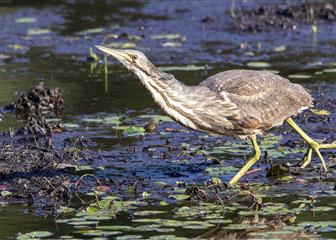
(306, 159)
(321, 160)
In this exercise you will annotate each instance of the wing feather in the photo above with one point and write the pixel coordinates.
(263, 99)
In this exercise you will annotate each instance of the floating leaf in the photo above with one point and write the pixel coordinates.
(245, 226)
(122, 45)
(83, 223)
(196, 225)
(172, 44)
(115, 227)
(166, 36)
(258, 64)
(38, 31)
(322, 209)
(158, 118)
(131, 130)
(320, 111)
(70, 125)
(98, 233)
(330, 70)
(163, 203)
(92, 120)
(64, 209)
(148, 212)
(280, 48)
(112, 120)
(129, 237)
(5, 193)
(26, 20)
(181, 196)
(300, 76)
(35, 234)
(16, 46)
(83, 168)
(182, 68)
(90, 31)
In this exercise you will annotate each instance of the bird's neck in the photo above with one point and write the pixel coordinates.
(170, 95)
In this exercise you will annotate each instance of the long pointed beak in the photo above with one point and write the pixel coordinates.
(116, 53)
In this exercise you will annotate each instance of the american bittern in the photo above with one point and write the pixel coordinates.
(239, 103)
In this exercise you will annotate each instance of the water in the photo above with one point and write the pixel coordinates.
(58, 58)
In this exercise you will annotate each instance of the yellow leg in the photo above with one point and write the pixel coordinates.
(249, 163)
(313, 145)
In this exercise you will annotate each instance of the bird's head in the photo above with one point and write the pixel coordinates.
(133, 60)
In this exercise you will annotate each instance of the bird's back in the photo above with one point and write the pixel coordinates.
(263, 99)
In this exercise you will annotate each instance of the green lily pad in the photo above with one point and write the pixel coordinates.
(112, 120)
(122, 45)
(129, 237)
(35, 234)
(70, 125)
(320, 111)
(115, 228)
(258, 64)
(98, 233)
(330, 70)
(131, 130)
(300, 76)
(238, 226)
(280, 48)
(90, 31)
(166, 36)
(38, 31)
(181, 197)
(148, 212)
(172, 44)
(25, 20)
(92, 120)
(322, 209)
(83, 223)
(158, 118)
(182, 68)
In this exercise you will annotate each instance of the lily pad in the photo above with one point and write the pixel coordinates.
(300, 76)
(38, 31)
(158, 118)
(330, 70)
(35, 234)
(280, 48)
(122, 45)
(90, 31)
(181, 197)
(115, 228)
(25, 20)
(320, 111)
(148, 212)
(322, 209)
(182, 68)
(258, 64)
(131, 130)
(166, 36)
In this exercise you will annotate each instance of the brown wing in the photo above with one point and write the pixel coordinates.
(264, 99)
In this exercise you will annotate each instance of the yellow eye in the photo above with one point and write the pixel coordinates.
(134, 57)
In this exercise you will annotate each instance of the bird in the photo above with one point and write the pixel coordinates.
(239, 103)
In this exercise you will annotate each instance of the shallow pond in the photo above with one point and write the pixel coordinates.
(155, 191)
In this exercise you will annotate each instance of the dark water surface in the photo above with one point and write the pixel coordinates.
(49, 41)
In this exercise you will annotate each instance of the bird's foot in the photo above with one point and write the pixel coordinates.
(315, 146)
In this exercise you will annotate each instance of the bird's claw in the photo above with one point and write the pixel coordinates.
(315, 146)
